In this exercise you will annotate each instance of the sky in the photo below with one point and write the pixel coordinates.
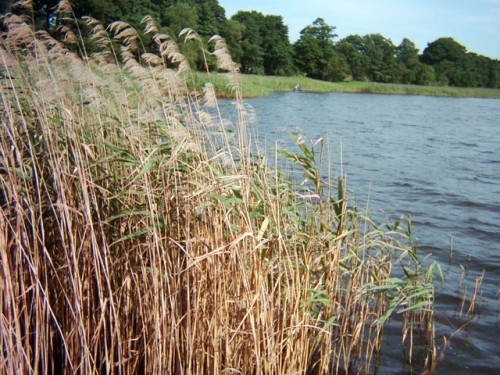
(473, 23)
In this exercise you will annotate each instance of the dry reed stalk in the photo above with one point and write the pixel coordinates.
(132, 244)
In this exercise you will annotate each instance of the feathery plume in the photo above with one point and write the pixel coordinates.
(90, 21)
(190, 34)
(152, 59)
(122, 30)
(64, 6)
(221, 52)
(209, 96)
(69, 36)
(126, 54)
(23, 4)
(19, 33)
(126, 34)
(150, 25)
(169, 49)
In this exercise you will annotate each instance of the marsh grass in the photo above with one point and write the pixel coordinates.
(137, 236)
(254, 85)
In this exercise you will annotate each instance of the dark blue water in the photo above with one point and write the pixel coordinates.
(435, 158)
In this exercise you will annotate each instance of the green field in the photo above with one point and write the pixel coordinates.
(254, 85)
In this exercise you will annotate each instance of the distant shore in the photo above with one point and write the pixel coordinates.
(255, 85)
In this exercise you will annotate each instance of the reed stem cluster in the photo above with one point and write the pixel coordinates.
(139, 234)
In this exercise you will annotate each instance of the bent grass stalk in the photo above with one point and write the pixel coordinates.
(138, 237)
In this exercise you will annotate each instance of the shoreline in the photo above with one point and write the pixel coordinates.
(255, 86)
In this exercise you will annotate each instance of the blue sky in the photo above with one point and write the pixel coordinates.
(473, 23)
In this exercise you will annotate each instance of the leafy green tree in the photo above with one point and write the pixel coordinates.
(407, 60)
(134, 11)
(261, 44)
(424, 75)
(278, 53)
(265, 47)
(252, 59)
(179, 16)
(444, 70)
(351, 48)
(410, 69)
(443, 49)
(456, 67)
(315, 53)
(131, 11)
(211, 17)
(484, 68)
(379, 53)
(407, 53)
(309, 57)
(232, 32)
(494, 74)
(321, 31)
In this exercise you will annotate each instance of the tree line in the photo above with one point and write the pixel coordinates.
(260, 44)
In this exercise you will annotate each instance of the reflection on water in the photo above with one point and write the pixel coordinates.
(435, 158)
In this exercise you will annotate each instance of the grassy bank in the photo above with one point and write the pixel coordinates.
(253, 85)
(139, 235)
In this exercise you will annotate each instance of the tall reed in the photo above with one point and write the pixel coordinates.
(138, 236)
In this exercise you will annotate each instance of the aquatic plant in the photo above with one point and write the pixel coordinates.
(138, 236)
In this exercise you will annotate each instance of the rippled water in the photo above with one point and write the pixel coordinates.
(435, 158)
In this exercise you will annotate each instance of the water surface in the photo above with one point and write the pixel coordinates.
(435, 158)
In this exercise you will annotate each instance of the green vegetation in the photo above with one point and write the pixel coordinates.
(264, 43)
(316, 55)
(260, 44)
(139, 235)
(255, 85)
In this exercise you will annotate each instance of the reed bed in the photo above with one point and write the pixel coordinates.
(139, 234)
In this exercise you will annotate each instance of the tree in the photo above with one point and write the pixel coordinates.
(351, 48)
(130, 11)
(315, 53)
(494, 74)
(379, 53)
(260, 43)
(232, 32)
(410, 69)
(278, 53)
(211, 17)
(265, 47)
(424, 75)
(179, 16)
(321, 31)
(455, 67)
(252, 59)
(407, 53)
(443, 49)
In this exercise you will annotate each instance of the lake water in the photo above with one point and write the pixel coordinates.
(435, 158)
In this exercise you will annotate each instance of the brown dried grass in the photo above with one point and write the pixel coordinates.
(134, 240)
